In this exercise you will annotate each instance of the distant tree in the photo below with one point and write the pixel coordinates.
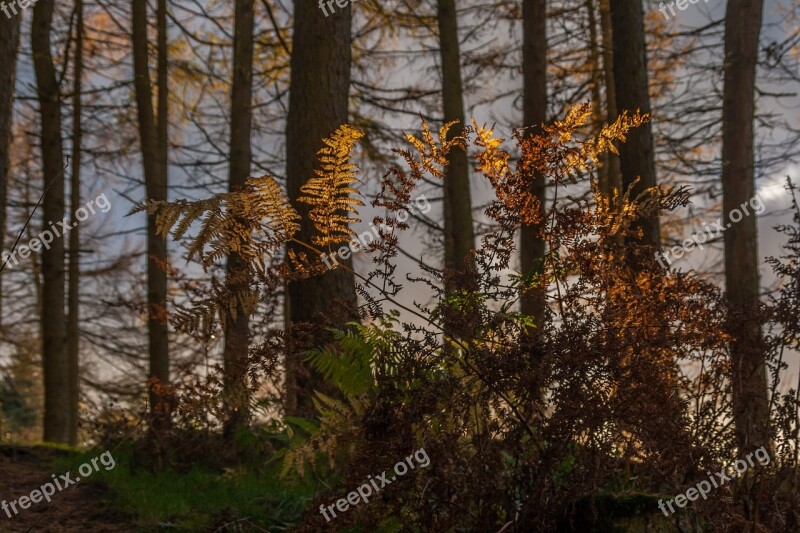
(459, 234)
(154, 146)
(749, 374)
(9, 47)
(611, 170)
(534, 110)
(237, 326)
(73, 287)
(53, 319)
(637, 160)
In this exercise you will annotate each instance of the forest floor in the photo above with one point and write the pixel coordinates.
(79, 508)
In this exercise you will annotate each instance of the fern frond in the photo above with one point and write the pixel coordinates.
(433, 155)
(331, 193)
(339, 423)
(348, 366)
(254, 222)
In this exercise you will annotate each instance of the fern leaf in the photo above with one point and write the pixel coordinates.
(330, 193)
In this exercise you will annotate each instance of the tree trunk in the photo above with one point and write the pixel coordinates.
(9, 47)
(53, 319)
(73, 303)
(459, 235)
(237, 329)
(534, 111)
(611, 160)
(597, 104)
(749, 381)
(320, 83)
(154, 161)
(630, 81)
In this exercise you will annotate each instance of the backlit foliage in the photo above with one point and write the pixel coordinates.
(254, 222)
(331, 193)
(624, 390)
(617, 400)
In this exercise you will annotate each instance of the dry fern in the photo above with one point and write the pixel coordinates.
(330, 193)
(254, 222)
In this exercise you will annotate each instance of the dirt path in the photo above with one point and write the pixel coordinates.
(78, 508)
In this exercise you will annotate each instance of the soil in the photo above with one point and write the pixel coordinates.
(81, 507)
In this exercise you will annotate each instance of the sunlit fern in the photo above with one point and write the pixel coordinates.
(330, 193)
(254, 222)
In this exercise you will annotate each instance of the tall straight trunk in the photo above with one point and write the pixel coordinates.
(153, 141)
(237, 329)
(162, 113)
(611, 161)
(749, 380)
(53, 319)
(320, 83)
(73, 303)
(459, 235)
(9, 47)
(534, 112)
(630, 82)
(596, 71)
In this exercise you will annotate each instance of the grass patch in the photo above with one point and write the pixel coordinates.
(200, 497)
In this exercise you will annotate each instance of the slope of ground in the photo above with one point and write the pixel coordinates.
(81, 507)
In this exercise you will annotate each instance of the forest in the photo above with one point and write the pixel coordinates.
(400, 266)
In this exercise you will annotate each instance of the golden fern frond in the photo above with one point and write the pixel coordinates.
(576, 118)
(558, 151)
(513, 190)
(604, 141)
(492, 162)
(576, 158)
(330, 193)
(433, 155)
(254, 221)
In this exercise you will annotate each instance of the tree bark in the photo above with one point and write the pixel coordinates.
(611, 160)
(53, 319)
(595, 52)
(320, 84)
(237, 330)
(534, 111)
(749, 380)
(73, 302)
(154, 148)
(459, 235)
(9, 47)
(630, 82)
